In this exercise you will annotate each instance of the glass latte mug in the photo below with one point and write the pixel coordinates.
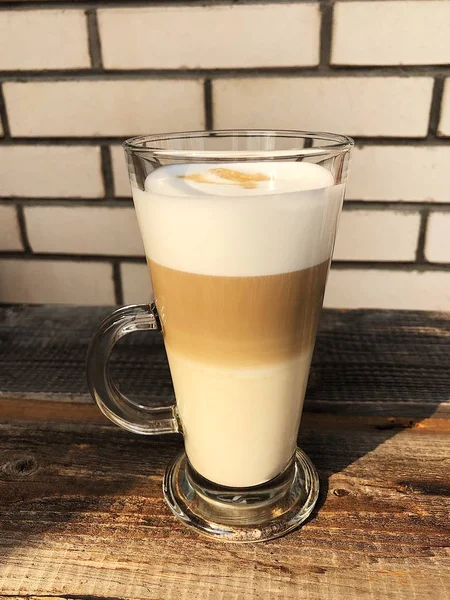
(238, 229)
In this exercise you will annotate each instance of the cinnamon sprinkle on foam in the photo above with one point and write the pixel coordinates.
(231, 177)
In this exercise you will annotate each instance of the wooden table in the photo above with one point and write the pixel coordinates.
(81, 509)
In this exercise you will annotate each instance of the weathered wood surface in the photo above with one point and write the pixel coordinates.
(82, 514)
(81, 508)
(365, 361)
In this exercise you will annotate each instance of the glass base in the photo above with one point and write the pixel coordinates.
(253, 514)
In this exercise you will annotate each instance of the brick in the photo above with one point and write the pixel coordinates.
(51, 171)
(444, 123)
(400, 173)
(437, 240)
(59, 282)
(136, 283)
(210, 37)
(391, 33)
(395, 289)
(120, 174)
(349, 105)
(103, 108)
(83, 230)
(9, 229)
(377, 235)
(43, 39)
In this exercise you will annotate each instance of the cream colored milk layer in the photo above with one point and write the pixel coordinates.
(240, 422)
(240, 425)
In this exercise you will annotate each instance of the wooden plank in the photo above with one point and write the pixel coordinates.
(81, 510)
(35, 410)
(82, 514)
(365, 361)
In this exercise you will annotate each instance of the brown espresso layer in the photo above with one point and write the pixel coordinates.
(239, 321)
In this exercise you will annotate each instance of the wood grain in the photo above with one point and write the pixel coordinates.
(82, 514)
(365, 361)
(81, 509)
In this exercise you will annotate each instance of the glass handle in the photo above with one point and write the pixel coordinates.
(115, 405)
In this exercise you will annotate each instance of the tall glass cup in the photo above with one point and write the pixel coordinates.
(238, 229)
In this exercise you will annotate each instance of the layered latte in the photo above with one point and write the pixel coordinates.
(238, 257)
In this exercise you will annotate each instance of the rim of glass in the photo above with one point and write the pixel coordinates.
(335, 143)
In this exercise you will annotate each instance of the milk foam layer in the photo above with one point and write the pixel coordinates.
(283, 224)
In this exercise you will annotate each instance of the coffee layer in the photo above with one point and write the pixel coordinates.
(239, 320)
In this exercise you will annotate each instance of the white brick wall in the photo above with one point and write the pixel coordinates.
(103, 108)
(83, 230)
(374, 106)
(168, 37)
(437, 243)
(70, 94)
(403, 173)
(391, 33)
(357, 288)
(9, 229)
(377, 235)
(444, 123)
(59, 282)
(50, 171)
(43, 39)
(137, 287)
